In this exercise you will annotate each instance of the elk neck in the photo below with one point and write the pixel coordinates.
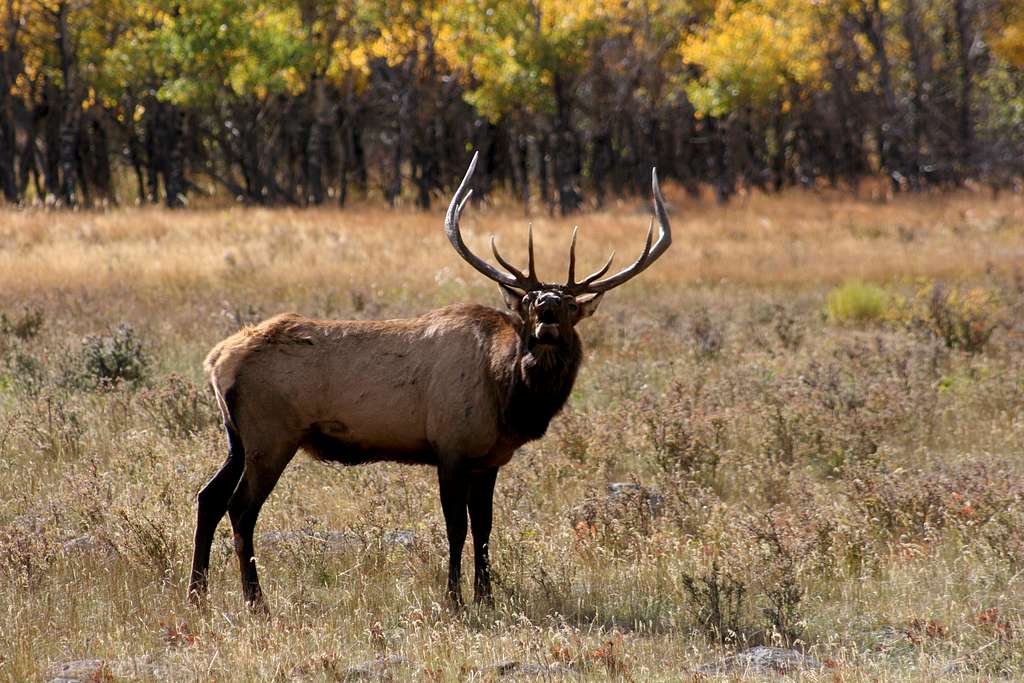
(542, 378)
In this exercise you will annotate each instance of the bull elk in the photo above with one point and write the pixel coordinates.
(459, 388)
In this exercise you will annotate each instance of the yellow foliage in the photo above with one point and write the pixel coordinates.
(1008, 38)
(961, 318)
(855, 301)
(753, 51)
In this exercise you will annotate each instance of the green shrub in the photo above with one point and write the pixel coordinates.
(857, 302)
(24, 372)
(961, 318)
(179, 407)
(107, 360)
(25, 327)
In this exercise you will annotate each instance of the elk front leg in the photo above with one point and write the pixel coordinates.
(481, 495)
(454, 485)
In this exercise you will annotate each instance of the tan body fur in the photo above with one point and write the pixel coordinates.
(359, 391)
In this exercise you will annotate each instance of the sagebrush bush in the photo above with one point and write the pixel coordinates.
(179, 407)
(683, 434)
(707, 334)
(747, 583)
(718, 600)
(918, 503)
(787, 327)
(103, 361)
(52, 428)
(961, 318)
(24, 371)
(857, 302)
(25, 326)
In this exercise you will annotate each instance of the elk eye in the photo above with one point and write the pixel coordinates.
(573, 306)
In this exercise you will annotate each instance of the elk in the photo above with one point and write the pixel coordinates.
(459, 388)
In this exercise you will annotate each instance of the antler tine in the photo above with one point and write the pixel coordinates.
(518, 274)
(647, 257)
(571, 281)
(604, 269)
(531, 268)
(451, 229)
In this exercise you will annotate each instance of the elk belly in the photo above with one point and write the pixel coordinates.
(332, 442)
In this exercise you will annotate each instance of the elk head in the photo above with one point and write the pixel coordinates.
(549, 311)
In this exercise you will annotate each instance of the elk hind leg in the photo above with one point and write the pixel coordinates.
(211, 504)
(481, 495)
(258, 480)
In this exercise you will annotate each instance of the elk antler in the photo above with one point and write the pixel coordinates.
(591, 284)
(451, 227)
(515, 277)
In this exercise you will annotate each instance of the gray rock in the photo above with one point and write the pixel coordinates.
(92, 670)
(514, 669)
(89, 545)
(958, 667)
(762, 660)
(83, 670)
(403, 537)
(545, 671)
(620, 491)
(384, 668)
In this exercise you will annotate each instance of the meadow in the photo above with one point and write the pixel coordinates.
(811, 405)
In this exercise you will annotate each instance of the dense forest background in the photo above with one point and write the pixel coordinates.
(303, 102)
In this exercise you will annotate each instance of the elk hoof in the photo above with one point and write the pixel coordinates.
(258, 607)
(197, 594)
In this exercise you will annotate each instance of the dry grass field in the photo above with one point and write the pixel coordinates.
(817, 401)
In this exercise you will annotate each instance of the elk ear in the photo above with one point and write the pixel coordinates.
(513, 299)
(588, 305)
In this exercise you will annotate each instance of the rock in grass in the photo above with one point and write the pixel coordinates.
(624, 491)
(104, 670)
(514, 669)
(762, 660)
(83, 670)
(384, 668)
(89, 545)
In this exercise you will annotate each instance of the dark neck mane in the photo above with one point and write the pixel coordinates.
(541, 382)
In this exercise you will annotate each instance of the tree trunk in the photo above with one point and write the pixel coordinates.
(543, 166)
(888, 130)
(27, 166)
(519, 160)
(8, 173)
(566, 152)
(318, 134)
(919, 71)
(962, 16)
(722, 168)
(346, 155)
(51, 162)
(151, 138)
(601, 161)
(174, 178)
(135, 153)
(70, 110)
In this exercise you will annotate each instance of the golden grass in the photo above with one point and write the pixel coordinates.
(800, 238)
(715, 380)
